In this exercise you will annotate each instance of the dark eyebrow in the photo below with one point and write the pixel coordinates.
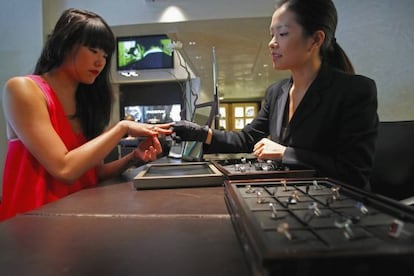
(272, 28)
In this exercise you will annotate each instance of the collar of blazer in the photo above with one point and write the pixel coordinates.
(311, 99)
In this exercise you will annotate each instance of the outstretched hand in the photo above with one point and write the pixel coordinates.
(138, 129)
(189, 131)
(267, 149)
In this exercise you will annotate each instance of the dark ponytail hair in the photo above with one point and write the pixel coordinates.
(93, 101)
(321, 15)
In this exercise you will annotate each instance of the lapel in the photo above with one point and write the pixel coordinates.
(311, 100)
(281, 105)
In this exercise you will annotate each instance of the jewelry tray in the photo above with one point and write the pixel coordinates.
(251, 168)
(354, 233)
(178, 175)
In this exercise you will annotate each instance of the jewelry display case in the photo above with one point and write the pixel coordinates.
(317, 226)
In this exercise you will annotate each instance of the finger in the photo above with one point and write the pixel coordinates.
(164, 131)
(155, 143)
(257, 152)
(150, 154)
(258, 146)
(165, 126)
(159, 129)
(153, 154)
(146, 156)
(262, 156)
(149, 131)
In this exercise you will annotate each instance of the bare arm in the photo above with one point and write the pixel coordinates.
(28, 120)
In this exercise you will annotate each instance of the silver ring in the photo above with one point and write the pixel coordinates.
(283, 228)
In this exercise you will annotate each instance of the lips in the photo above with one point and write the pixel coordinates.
(275, 55)
(94, 72)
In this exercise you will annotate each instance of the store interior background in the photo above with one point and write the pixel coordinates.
(378, 36)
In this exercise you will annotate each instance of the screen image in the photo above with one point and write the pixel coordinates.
(154, 114)
(144, 52)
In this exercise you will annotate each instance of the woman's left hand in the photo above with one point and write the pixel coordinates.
(149, 149)
(267, 149)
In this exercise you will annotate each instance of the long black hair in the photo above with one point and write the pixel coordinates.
(316, 15)
(93, 101)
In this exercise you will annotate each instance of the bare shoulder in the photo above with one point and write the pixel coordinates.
(22, 93)
(22, 88)
(19, 83)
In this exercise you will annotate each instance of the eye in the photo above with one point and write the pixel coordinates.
(283, 34)
(96, 51)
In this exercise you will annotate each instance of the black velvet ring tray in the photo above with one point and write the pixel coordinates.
(251, 168)
(350, 232)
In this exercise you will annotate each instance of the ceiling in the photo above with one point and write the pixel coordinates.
(243, 63)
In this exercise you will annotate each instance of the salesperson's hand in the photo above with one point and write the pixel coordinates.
(189, 131)
(267, 149)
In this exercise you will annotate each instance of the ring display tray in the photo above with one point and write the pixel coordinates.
(178, 175)
(317, 226)
(251, 168)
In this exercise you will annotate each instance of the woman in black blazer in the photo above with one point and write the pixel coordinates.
(323, 117)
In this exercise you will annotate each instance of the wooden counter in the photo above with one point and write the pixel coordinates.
(117, 230)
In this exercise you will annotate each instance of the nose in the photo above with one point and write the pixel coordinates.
(273, 43)
(100, 61)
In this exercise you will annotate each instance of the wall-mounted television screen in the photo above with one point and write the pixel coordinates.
(154, 114)
(144, 52)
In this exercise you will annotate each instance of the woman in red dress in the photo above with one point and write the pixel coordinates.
(57, 118)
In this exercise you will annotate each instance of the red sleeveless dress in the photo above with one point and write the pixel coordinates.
(26, 183)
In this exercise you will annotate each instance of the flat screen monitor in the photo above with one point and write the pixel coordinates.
(154, 114)
(144, 52)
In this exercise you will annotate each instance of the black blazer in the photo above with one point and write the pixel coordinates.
(333, 130)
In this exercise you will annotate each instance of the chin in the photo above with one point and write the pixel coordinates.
(88, 81)
(278, 67)
(275, 67)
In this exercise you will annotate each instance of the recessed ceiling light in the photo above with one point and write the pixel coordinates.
(172, 14)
